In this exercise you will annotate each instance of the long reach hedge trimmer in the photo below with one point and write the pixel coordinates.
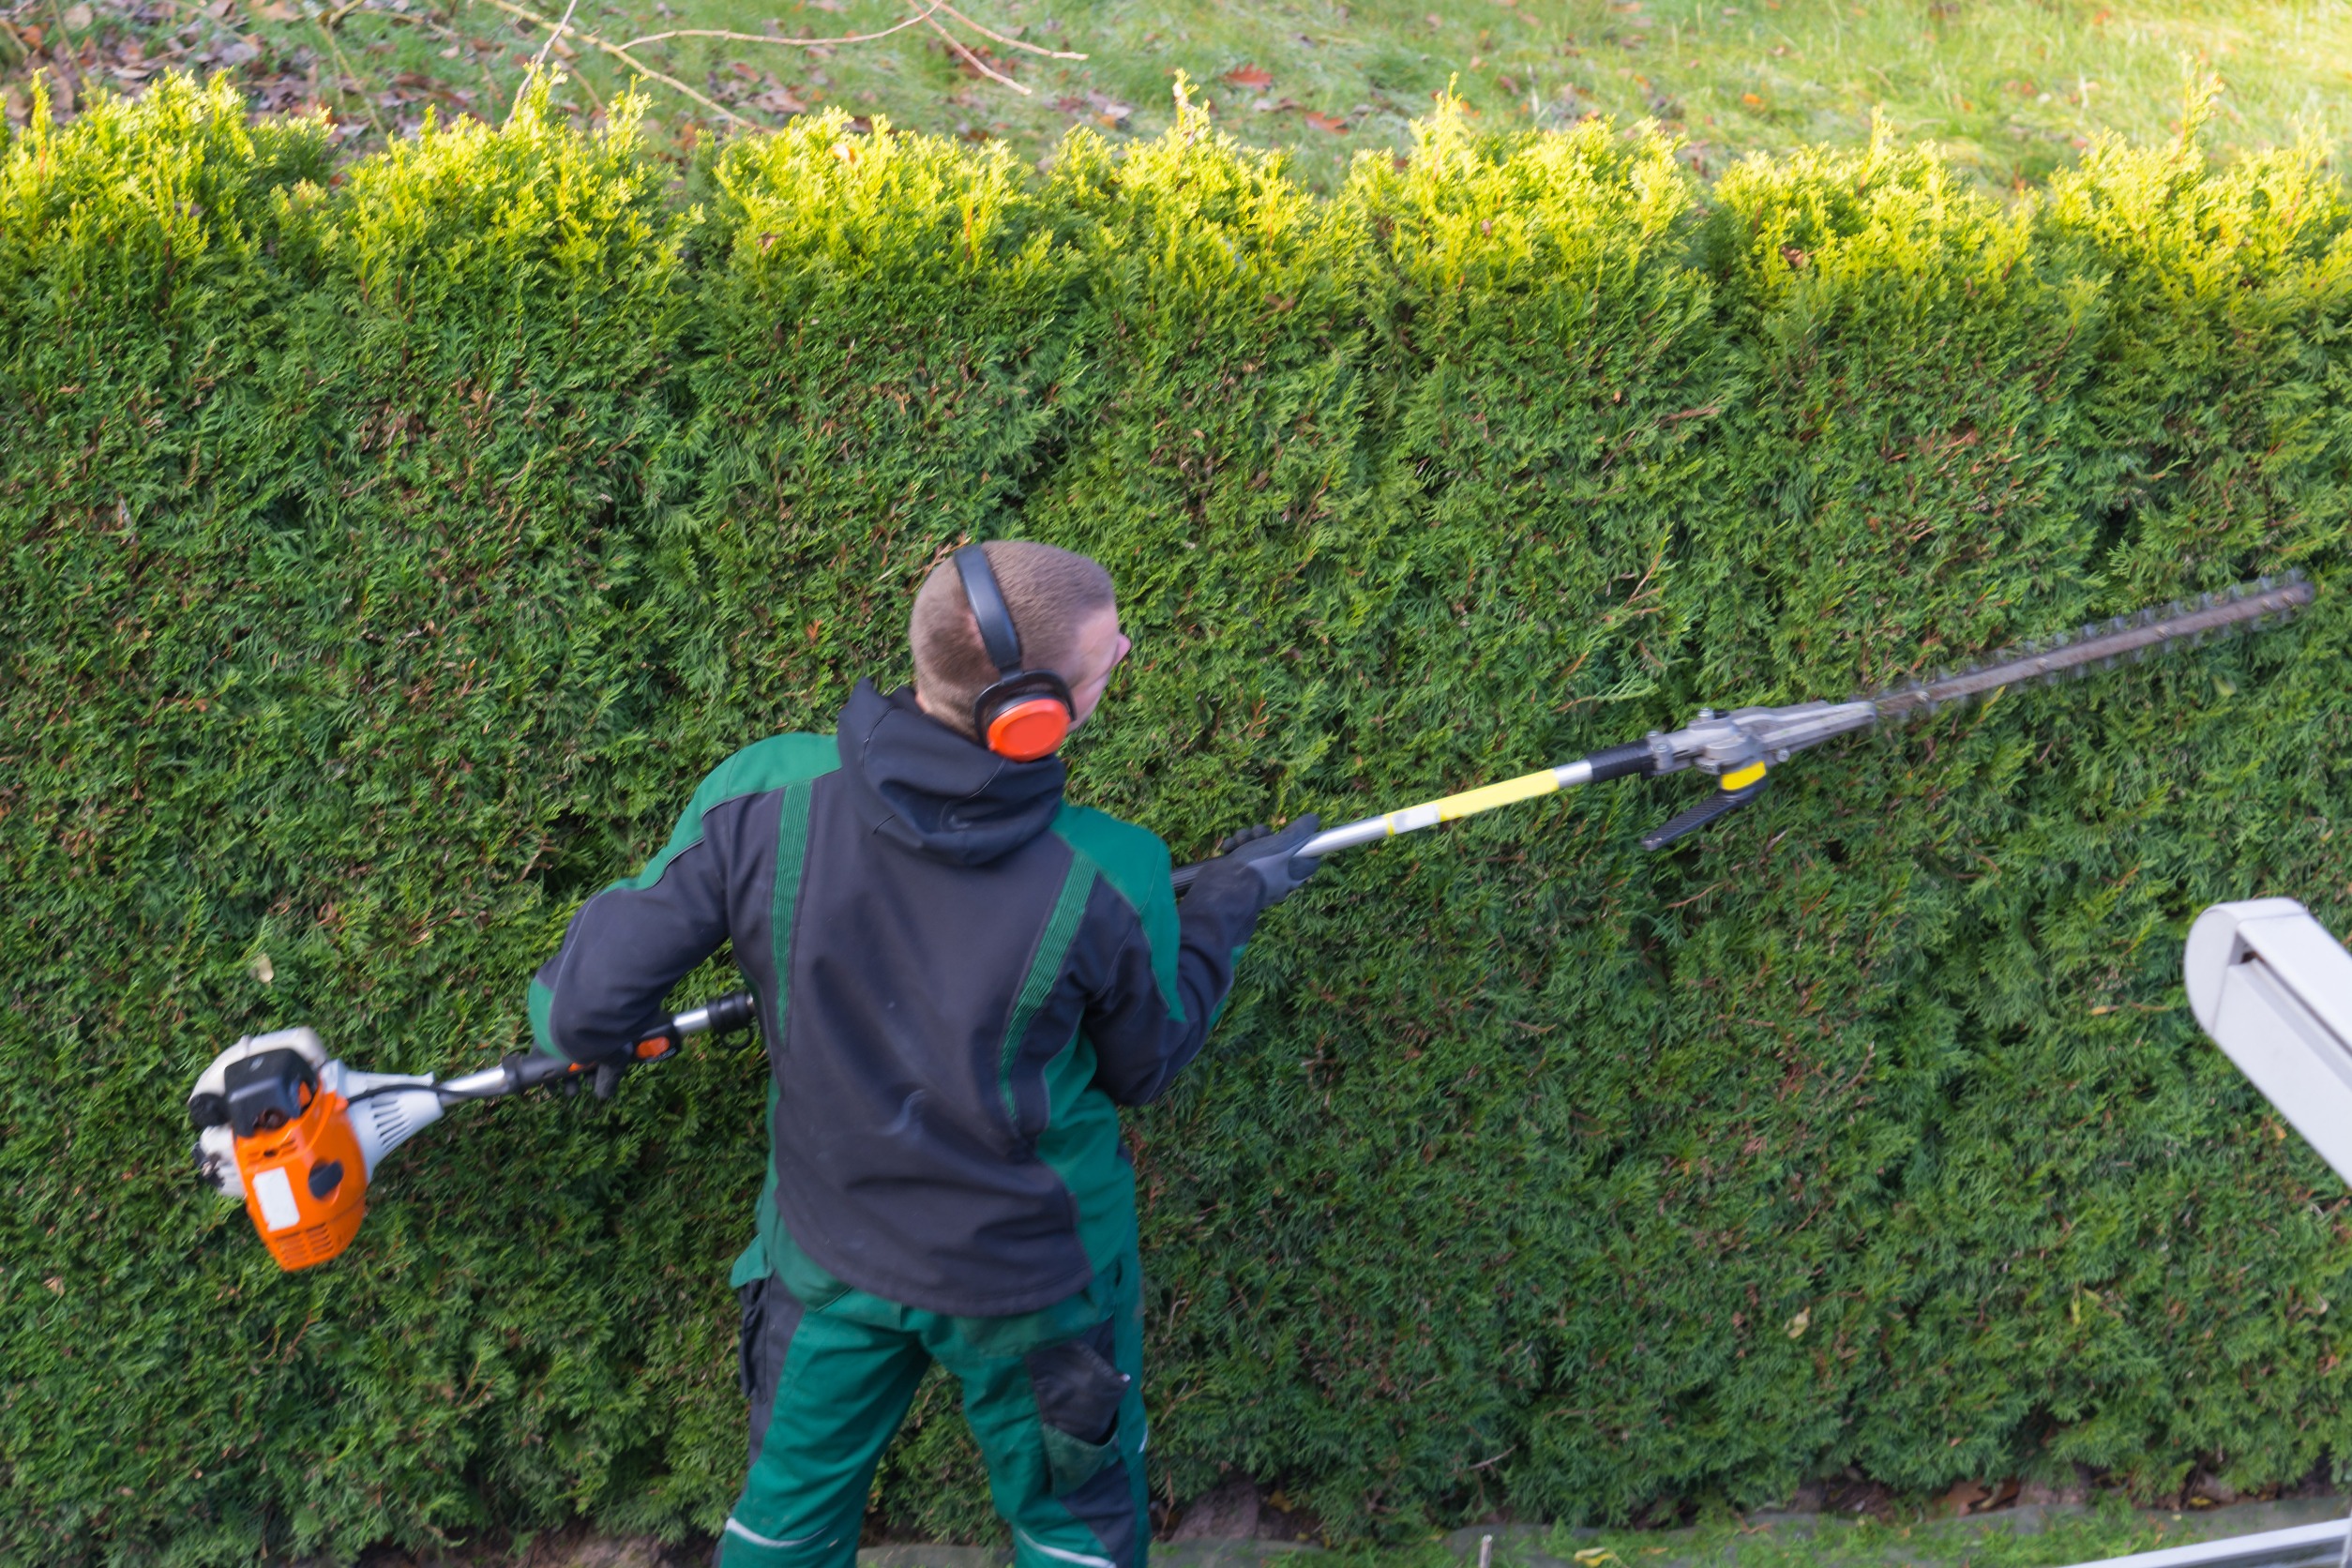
(297, 1136)
(1742, 746)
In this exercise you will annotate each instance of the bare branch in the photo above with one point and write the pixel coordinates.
(770, 37)
(626, 58)
(540, 58)
(970, 59)
(1015, 43)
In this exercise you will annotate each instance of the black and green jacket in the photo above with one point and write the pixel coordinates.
(960, 977)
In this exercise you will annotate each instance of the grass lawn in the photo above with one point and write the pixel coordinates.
(2011, 87)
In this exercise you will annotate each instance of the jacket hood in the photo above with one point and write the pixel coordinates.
(920, 784)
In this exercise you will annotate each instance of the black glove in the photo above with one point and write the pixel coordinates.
(608, 1076)
(1268, 859)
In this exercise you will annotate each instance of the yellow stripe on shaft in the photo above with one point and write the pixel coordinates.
(1471, 802)
(1744, 777)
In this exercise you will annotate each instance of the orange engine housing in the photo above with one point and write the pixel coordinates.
(306, 1185)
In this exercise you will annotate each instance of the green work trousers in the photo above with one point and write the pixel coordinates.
(1054, 1397)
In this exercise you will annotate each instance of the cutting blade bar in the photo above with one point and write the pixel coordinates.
(2105, 644)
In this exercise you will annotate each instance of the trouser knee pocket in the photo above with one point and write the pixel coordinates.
(1078, 1395)
(749, 1350)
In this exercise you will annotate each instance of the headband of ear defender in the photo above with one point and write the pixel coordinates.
(1025, 714)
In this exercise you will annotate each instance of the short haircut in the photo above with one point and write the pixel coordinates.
(1050, 592)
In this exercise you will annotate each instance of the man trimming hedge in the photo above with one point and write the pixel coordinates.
(959, 976)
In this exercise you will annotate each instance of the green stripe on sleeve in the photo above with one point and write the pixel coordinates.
(792, 856)
(1069, 908)
(792, 853)
(1135, 862)
(542, 1003)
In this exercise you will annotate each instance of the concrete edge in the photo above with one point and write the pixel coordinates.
(2298, 1547)
(2273, 1535)
(2294, 1532)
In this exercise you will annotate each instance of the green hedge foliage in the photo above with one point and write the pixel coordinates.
(388, 553)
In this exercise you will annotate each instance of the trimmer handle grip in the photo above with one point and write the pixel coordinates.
(529, 1069)
(720, 1015)
(723, 1015)
(1722, 803)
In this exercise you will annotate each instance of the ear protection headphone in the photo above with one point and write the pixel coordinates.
(1025, 714)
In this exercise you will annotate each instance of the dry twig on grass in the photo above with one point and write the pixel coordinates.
(927, 15)
(527, 14)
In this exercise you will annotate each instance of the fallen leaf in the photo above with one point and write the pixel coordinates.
(1965, 1495)
(78, 19)
(261, 969)
(1249, 76)
(1751, 100)
(1326, 122)
(1801, 1322)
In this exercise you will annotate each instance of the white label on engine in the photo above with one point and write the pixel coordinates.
(278, 1210)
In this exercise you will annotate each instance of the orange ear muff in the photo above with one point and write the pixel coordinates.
(1029, 728)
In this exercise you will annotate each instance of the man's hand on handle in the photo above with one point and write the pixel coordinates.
(1267, 859)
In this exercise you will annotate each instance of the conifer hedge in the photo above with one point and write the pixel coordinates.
(387, 552)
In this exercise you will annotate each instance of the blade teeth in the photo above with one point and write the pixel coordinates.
(1914, 700)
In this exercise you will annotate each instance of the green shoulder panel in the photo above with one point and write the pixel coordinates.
(1135, 862)
(541, 1002)
(767, 764)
